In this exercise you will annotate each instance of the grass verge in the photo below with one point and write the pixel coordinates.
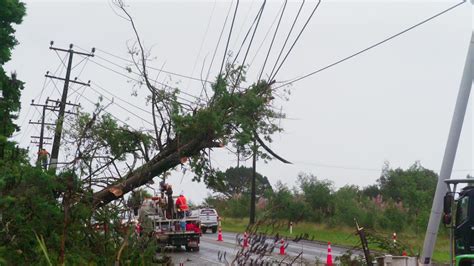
(345, 236)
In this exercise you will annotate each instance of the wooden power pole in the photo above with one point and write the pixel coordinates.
(41, 142)
(62, 103)
(253, 188)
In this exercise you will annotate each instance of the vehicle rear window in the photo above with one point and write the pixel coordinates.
(208, 212)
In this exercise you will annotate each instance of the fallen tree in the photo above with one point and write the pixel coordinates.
(232, 115)
(227, 118)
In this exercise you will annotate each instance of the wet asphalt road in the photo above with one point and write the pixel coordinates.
(212, 252)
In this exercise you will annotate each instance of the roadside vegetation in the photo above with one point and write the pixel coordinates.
(343, 235)
(400, 202)
(76, 216)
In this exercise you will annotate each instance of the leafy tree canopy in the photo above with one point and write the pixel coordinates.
(317, 192)
(237, 180)
(415, 186)
(11, 12)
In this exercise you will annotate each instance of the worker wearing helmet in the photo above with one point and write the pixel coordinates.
(181, 205)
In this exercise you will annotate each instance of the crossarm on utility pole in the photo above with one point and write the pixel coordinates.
(62, 103)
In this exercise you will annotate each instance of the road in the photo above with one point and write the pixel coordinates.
(212, 252)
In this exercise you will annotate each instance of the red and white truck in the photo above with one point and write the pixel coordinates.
(168, 231)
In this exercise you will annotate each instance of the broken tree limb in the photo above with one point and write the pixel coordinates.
(167, 159)
(260, 141)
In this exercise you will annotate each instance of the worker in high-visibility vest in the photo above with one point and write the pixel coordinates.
(181, 205)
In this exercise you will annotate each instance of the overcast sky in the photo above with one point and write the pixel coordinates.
(393, 103)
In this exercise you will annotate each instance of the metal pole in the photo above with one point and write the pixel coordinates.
(254, 176)
(59, 123)
(449, 155)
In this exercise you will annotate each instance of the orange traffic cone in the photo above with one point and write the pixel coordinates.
(246, 241)
(329, 257)
(219, 235)
(282, 247)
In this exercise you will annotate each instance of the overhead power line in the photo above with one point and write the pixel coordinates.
(121, 107)
(287, 37)
(107, 112)
(123, 100)
(257, 17)
(296, 40)
(251, 40)
(203, 39)
(139, 75)
(150, 67)
(218, 43)
(139, 81)
(273, 39)
(354, 168)
(338, 166)
(242, 26)
(228, 38)
(373, 45)
(38, 97)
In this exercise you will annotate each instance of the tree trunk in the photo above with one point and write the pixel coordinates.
(167, 159)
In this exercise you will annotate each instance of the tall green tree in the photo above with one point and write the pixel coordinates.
(11, 12)
(237, 180)
(317, 194)
(287, 204)
(413, 187)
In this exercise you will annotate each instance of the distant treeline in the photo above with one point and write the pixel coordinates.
(400, 200)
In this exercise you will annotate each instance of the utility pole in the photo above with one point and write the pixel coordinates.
(41, 137)
(254, 176)
(62, 103)
(449, 154)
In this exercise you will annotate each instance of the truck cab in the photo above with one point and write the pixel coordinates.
(464, 224)
(462, 228)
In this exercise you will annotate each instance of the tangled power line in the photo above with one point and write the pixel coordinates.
(105, 59)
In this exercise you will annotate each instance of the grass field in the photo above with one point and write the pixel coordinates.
(345, 236)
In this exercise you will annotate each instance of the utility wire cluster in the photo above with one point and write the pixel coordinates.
(107, 61)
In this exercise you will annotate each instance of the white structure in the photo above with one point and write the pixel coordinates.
(389, 260)
(449, 155)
